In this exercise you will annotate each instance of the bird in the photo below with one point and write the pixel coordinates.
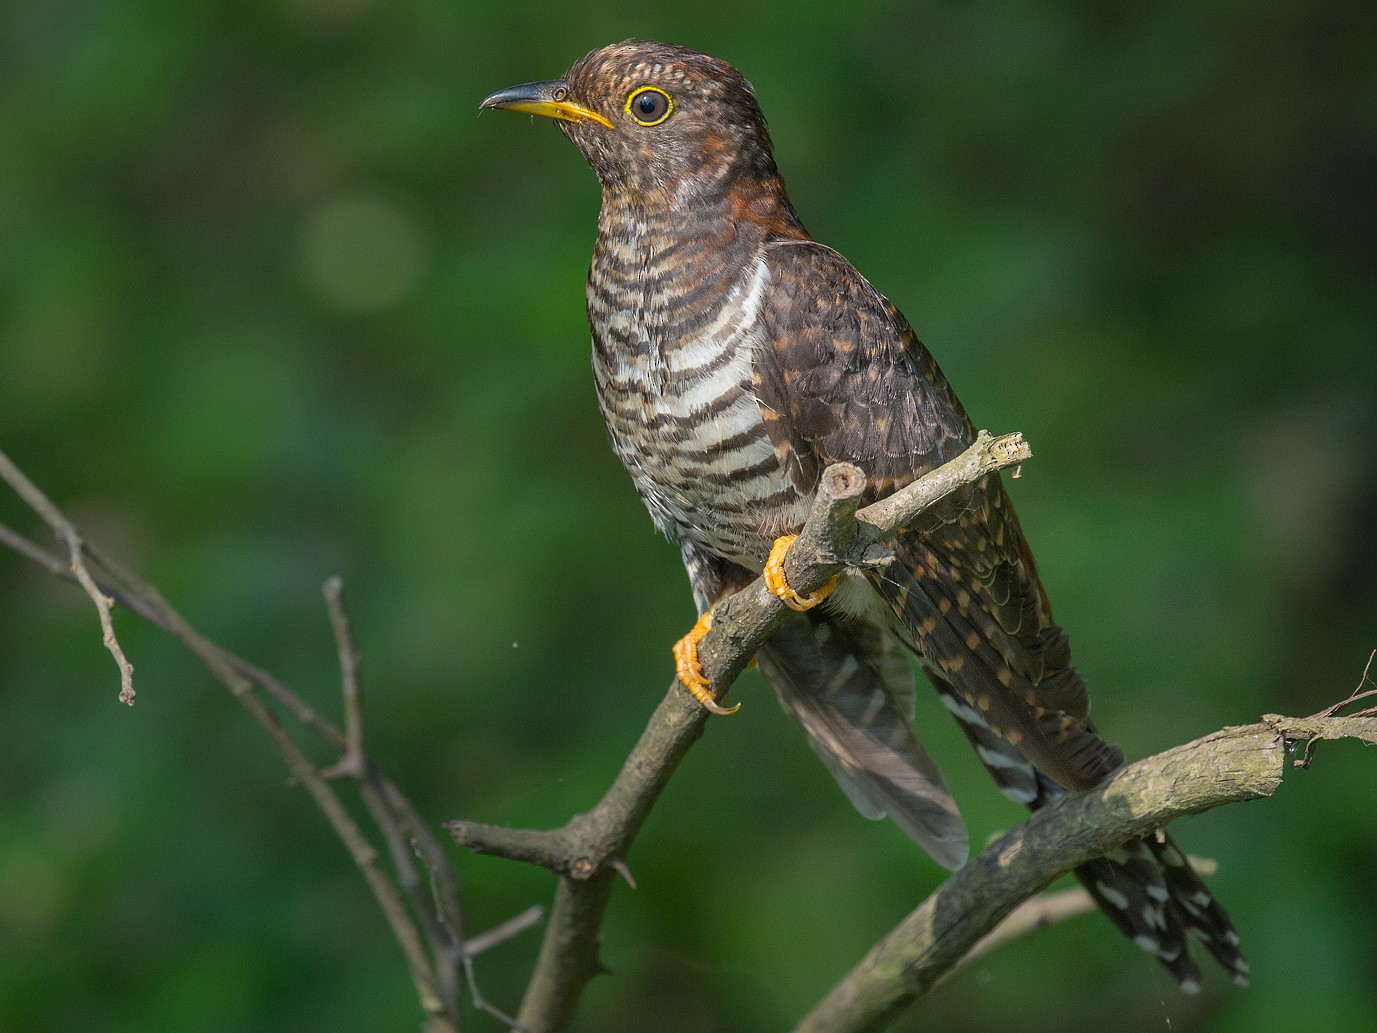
(735, 358)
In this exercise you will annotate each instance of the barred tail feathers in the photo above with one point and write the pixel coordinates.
(1146, 887)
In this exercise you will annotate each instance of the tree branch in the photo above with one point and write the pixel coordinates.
(434, 956)
(1229, 766)
(588, 850)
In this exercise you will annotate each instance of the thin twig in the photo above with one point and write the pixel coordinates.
(1033, 914)
(440, 914)
(352, 761)
(445, 891)
(446, 950)
(66, 530)
(482, 1004)
(16, 542)
(1308, 754)
(510, 929)
(1358, 691)
(437, 973)
(146, 602)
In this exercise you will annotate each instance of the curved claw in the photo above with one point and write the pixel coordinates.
(713, 707)
(779, 584)
(690, 672)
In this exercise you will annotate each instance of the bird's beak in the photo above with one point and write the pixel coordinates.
(543, 98)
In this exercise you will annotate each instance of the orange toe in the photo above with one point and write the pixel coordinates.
(690, 672)
(779, 584)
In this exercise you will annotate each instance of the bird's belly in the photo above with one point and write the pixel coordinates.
(701, 458)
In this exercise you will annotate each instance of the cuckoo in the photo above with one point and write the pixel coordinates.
(734, 358)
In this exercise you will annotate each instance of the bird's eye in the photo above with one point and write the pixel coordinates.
(649, 106)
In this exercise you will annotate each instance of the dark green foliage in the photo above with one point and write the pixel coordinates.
(275, 305)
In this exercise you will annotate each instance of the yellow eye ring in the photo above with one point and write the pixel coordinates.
(649, 106)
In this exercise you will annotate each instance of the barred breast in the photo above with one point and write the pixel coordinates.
(674, 303)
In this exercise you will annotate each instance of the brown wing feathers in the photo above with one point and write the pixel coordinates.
(845, 379)
(849, 380)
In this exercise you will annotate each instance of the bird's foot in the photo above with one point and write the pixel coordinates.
(779, 585)
(690, 672)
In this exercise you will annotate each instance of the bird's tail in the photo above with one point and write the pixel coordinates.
(1149, 890)
(1146, 886)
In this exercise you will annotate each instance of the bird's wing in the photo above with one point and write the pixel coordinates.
(850, 687)
(844, 378)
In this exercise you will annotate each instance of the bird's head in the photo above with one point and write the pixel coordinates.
(655, 120)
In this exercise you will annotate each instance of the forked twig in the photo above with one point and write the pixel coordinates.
(71, 538)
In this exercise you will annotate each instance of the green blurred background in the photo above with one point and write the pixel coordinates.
(275, 305)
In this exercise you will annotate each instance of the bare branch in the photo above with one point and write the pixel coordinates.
(985, 456)
(66, 530)
(510, 929)
(1230, 766)
(434, 973)
(589, 850)
(388, 806)
(568, 954)
(363, 855)
(352, 762)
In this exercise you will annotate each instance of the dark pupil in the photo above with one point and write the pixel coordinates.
(649, 104)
